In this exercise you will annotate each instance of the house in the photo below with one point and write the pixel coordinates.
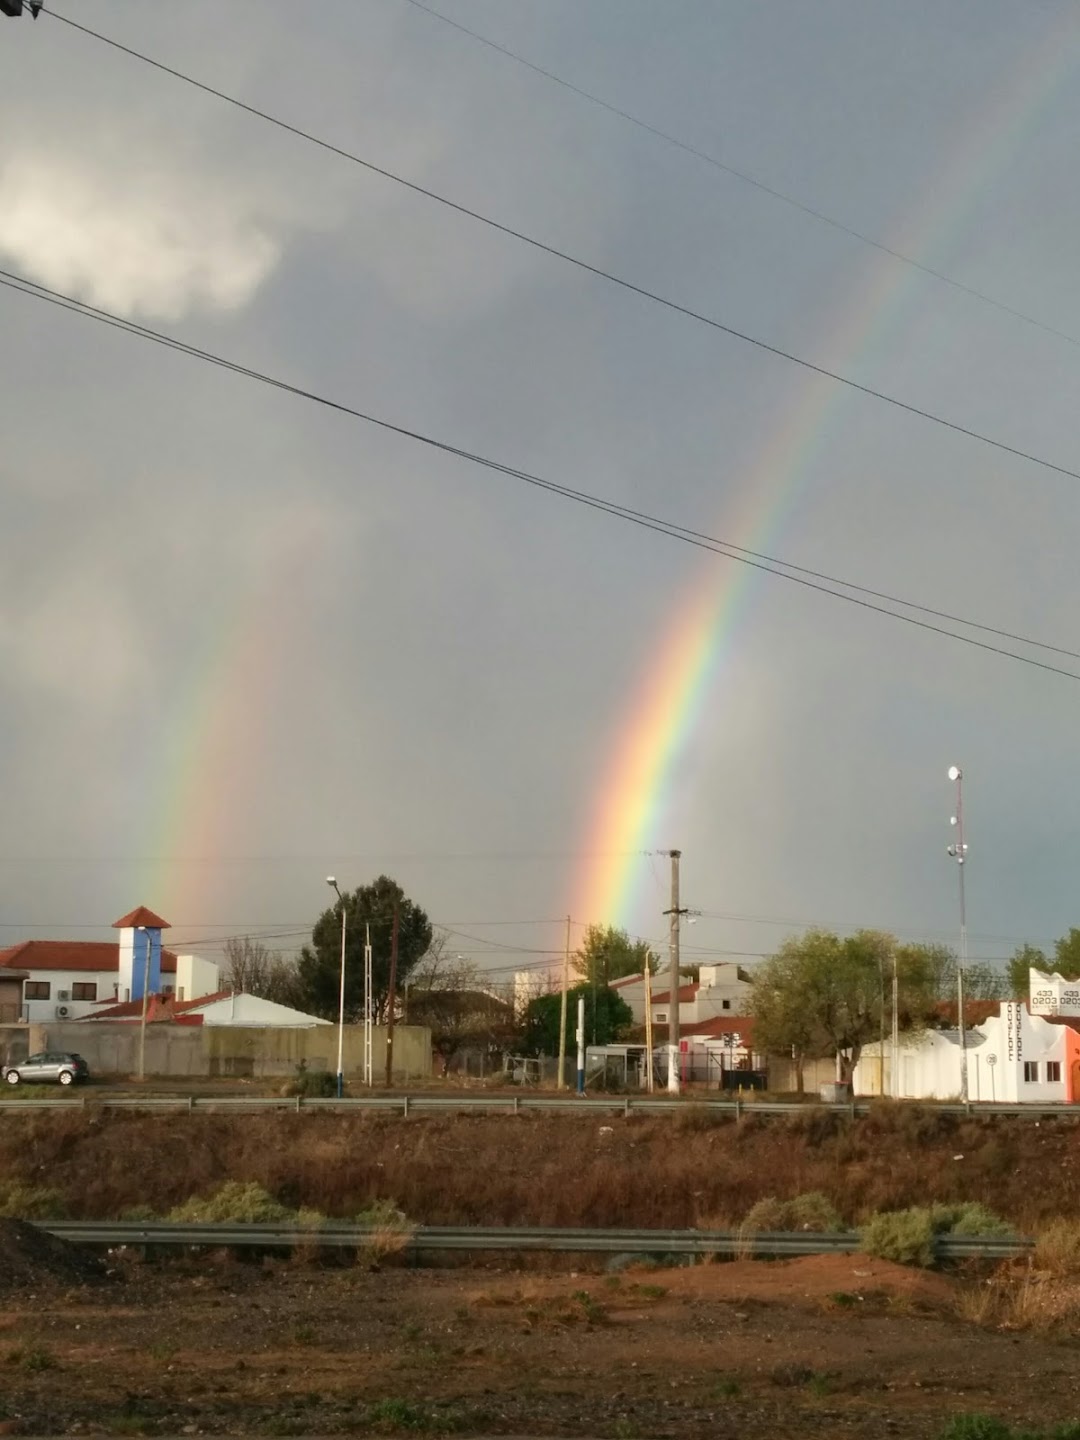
(69, 979)
(1013, 1056)
(11, 996)
(225, 1007)
(720, 990)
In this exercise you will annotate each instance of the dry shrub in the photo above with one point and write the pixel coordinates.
(1057, 1248)
(391, 1230)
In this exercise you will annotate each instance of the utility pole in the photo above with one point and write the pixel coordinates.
(562, 1008)
(895, 1062)
(958, 851)
(368, 1067)
(675, 914)
(392, 1000)
(648, 1025)
(145, 1005)
(581, 1045)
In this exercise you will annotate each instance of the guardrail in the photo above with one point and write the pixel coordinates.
(421, 1238)
(406, 1105)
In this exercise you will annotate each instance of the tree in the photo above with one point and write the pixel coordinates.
(253, 968)
(319, 966)
(607, 954)
(1021, 963)
(448, 994)
(607, 1017)
(821, 996)
(1067, 955)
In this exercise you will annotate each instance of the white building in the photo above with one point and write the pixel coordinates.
(1013, 1056)
(722, 990)
(71, 979)
(233, 1008)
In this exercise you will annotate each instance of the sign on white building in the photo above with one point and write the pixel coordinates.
(1052, 994)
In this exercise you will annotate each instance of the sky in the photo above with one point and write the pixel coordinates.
(246, 641)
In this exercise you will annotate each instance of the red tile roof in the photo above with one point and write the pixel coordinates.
(85, 955)
(160, 1008)
(141, 916)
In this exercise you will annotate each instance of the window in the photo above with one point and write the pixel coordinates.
(661, 1015)
(725, 1004)
(1053, 1072)
(1031, 1071)
(37, 990)
(83, 990)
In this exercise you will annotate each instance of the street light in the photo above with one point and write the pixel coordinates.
(958, 851)
(145, 1003)
(341, 1006)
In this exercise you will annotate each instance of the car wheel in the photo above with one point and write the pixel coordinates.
(66, 1077)
(12, 1077)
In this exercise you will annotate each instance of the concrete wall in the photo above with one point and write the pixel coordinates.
(14, 1043)
(112, 1048)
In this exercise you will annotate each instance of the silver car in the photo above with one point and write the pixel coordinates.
(53, 1065)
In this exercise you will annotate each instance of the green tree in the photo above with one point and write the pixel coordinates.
(822, 996)
(319, 966)
(1023, 960)
(607, 1017)
(1067, 955)
(608, 954)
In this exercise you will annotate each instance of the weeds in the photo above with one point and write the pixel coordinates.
(989, 1427)
(30, 1202)
(34, 1360)
(1057, 1248)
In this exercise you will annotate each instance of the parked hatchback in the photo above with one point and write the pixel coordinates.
(63, 1068)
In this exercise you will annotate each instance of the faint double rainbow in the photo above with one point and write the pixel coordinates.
(632, 802)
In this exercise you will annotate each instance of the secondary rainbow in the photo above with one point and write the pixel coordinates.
(632, 801)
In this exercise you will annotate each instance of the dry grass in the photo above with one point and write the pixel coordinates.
(550, 1169)
(1022, 1298)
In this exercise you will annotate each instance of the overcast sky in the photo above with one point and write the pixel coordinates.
(245, 641)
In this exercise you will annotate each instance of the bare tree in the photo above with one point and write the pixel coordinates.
(463, 1010)
(252, 967)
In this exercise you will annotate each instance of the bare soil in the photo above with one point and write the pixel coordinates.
(818, 1347)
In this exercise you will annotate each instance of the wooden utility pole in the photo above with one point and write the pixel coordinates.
(391, 1002)
(648, 1024)
(675, 914)
(562, 1008)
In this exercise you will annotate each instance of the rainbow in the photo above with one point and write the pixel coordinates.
(633, 802)
(209, 759)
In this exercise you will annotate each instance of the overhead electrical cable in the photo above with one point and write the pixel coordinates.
(698, 540)
(744, 176)
(545, 248)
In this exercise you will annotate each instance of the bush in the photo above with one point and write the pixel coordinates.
(316, 1084)
(813, 1212)
(30, 1202)
(234, 1203)
(908, 1236)
(1057, 1248)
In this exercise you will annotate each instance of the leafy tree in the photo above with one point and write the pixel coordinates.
(1067, 955)
(319, 966)
(607, 954)
(1023, 960)
(449, 994)
(821, 996)
(983, 982)
(607, 1016)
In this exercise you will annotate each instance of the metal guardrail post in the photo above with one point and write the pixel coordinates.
(190, 1103)
(517, 1104)
(738, 1107)
(405, 1107)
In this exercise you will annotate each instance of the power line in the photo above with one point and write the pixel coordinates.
(698, 539)
(584, 265)
(745, 177)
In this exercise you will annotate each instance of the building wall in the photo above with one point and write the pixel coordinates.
(11, 1001)
(196, 976)
(44, 1011)
(112, 1048)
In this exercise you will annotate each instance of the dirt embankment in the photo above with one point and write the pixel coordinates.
(549, 1169)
